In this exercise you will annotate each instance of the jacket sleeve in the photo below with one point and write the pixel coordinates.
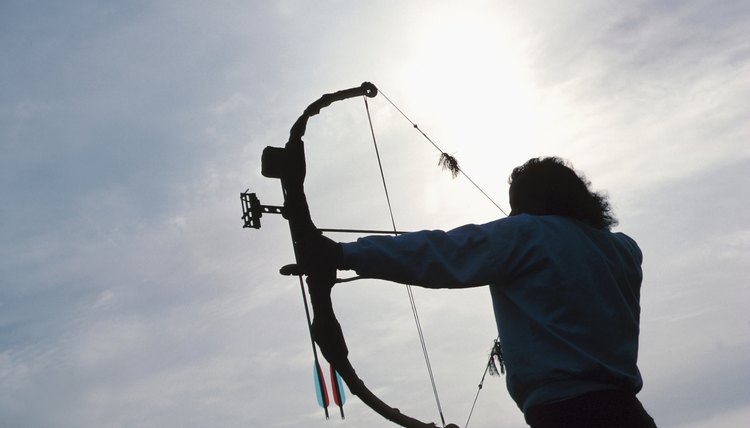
(462, 257)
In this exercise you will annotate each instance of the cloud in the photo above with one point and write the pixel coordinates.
(131, 294)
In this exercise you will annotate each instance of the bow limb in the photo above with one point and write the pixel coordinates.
(288, 164)
(330, 338)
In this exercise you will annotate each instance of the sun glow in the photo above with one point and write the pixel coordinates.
(470, 82)
(470, 68)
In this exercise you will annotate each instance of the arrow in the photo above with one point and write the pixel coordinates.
(320, 387)
(337, 390)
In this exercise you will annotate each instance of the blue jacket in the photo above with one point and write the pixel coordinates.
(565, 295)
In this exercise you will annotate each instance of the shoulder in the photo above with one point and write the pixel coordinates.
(516, 232)
(630, 244)
(557, 229)
(517, 222)
(531, 224)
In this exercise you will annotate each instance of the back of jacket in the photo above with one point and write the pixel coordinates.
(567, 310)
(565, 296)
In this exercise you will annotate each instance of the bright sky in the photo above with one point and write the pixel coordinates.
(130, 295)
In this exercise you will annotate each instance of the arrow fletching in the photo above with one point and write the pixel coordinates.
(337, 391)
(320, 388)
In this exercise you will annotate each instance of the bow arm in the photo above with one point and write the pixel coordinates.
(288, 165)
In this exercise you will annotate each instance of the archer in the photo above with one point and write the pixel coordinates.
(565, 291)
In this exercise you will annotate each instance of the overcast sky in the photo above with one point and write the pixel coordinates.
(130, 295)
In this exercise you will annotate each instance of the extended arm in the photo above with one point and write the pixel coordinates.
(462, 257)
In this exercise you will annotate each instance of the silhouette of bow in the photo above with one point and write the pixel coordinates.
(288, 165)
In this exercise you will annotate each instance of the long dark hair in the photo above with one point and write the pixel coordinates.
(547, 186)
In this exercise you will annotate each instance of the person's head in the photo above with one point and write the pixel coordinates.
(548, 186)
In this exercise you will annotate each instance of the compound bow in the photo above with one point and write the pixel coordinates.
(288, 165)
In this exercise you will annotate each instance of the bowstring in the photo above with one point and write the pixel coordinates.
(476, 397)
(490, 368)
(393, 223)
(408, 287)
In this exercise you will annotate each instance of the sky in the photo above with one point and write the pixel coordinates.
(131, 296)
